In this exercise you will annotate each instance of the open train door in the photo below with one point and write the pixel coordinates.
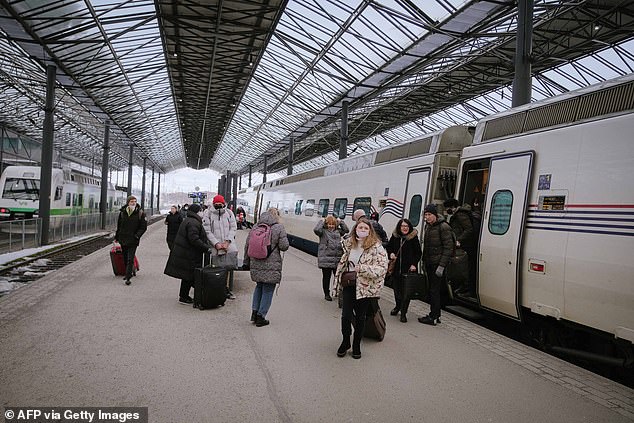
(416, 196)
(502, 229)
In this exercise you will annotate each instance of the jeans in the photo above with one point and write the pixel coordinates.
(128, 258)
(325, 279)
(262, 297)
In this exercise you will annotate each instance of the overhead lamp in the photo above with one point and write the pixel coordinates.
(175, 54)
(597, 27)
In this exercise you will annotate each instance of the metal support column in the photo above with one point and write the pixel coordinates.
(158, 194)
(227, 193)
(222, 184)
(234, 195)
(152, 194)
(290, 157)
(522, 83)
(103, 202)
(250, 172)
(143, 183)
(264, 170)
(46, 171)
(130, 170)
(343, 142)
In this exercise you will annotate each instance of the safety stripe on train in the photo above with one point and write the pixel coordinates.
(585, 218)
(393, 207)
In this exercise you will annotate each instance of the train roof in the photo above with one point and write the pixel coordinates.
(615, 96)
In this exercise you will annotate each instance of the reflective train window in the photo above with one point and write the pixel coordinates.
(415, 207)
(323, 207)
(340, 207)
(501, 207)
(310, 207)
(68, 199)
(363, 203)
(298, 207)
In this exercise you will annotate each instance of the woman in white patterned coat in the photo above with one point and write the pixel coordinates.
(364, 253)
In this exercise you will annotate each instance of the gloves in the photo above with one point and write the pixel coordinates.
(439, 271)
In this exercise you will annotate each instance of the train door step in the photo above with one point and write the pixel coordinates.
(465, 312)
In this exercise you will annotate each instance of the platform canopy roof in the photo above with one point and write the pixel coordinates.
(222, 84)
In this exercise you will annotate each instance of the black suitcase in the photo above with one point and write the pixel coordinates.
(209, 287)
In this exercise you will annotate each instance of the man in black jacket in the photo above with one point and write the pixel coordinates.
(131, 225)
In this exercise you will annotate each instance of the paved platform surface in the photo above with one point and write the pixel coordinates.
(80, 337)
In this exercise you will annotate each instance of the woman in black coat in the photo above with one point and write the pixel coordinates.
(187, 253)
(404, 247)
(173, 221)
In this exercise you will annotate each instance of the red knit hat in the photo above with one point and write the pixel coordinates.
(218, 199)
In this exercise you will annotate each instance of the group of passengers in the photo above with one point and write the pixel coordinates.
(367, 250)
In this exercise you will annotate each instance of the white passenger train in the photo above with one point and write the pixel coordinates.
(72, 193)
(555, 178)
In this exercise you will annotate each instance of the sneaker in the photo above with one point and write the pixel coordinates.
(230, 295)
(187, 300)
(327, 297)
(427, 321)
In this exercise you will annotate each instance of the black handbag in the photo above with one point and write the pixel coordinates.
(415, 286)
(458, 269)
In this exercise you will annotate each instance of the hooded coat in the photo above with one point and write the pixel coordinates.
(130, 228)
(330, 249)
(173, 222)
(439, 244)
(268, 270)
(410, 253)
(220, 226)
(460, 222)
(371, 270)
(189, 246)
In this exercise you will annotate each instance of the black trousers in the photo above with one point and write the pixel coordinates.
(128, 258)
(185, 287)
(326, 274)
(402, 301)
(353, 310)
(435, 285)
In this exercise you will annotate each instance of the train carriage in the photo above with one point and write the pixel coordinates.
(557, 230)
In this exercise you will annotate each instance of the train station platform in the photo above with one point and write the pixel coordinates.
(79, 337)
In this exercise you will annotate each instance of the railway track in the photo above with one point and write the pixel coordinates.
(34, 268)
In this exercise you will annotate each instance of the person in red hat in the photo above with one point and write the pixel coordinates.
(220, 225)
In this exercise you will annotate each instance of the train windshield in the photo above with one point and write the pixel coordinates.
(21, 189)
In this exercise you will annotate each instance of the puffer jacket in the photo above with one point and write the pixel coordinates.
(173, 222)
(220, 226)
(410, 251)
(130, 228)
(460, 222)
(438, 245)
(268, 270)
(330, 249)
(189, 246)
(371, 270)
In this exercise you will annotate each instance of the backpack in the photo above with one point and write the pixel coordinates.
(260, 242)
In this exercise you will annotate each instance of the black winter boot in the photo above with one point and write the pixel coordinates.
(261, 321)
(356, 348)
(254, 315)
(344, 347)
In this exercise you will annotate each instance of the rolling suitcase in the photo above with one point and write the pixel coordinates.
(374, 322)
(209, 287)
(116, 259)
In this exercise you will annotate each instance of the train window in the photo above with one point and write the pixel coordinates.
(501, 207)
(415, 206)
(21, 189)
(74, 200)
(363, 203)
(298, 207)
(322, 209)
(68, 199)
(91, 202)
(80, 200)
(58, 193)
(340, 207)
(310, 207)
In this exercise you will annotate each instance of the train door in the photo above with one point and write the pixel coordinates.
(416, 196)
(502, 228)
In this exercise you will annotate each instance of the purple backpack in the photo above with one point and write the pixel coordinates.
(260, 242)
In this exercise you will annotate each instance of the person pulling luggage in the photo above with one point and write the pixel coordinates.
(131, 225)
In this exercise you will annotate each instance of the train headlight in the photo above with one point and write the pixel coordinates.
(3, 210)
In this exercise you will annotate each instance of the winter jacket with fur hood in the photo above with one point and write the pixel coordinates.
(220, 226)
(268, 270)
(410, 251)
(371, 270)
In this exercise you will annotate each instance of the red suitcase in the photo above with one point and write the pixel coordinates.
(118, 265)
